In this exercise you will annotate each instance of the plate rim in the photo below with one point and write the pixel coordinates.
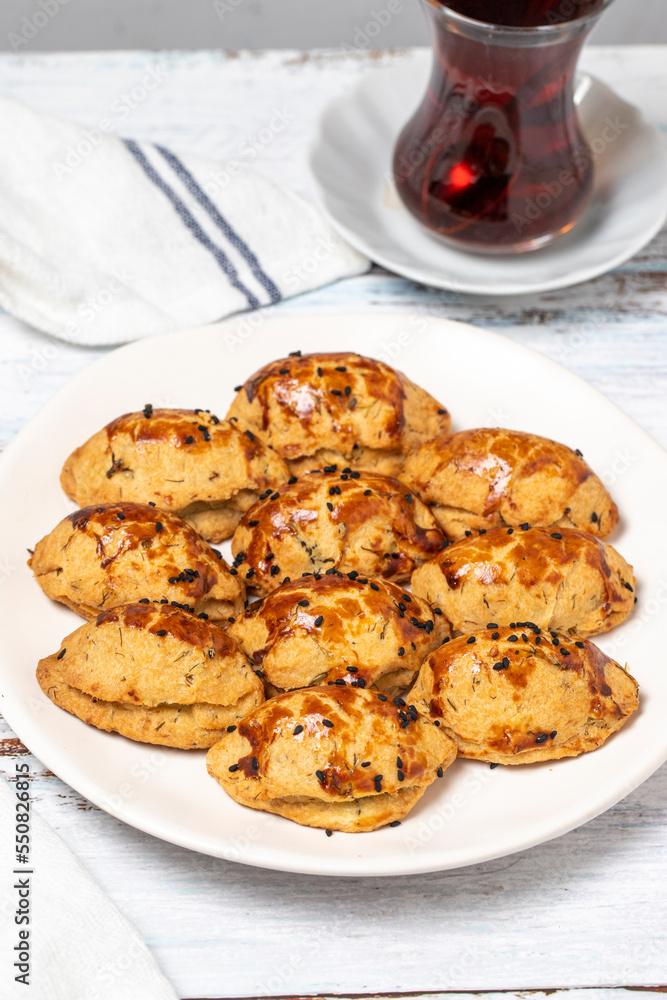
(414, 272)
(282, 860)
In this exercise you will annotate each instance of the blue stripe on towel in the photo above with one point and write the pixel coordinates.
(192, 224)
(200, 195)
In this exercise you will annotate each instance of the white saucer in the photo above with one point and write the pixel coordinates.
(351, 163)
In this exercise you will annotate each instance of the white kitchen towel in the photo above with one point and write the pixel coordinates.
(78, 946)
(105, 240)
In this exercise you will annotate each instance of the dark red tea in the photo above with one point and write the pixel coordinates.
(494, 158)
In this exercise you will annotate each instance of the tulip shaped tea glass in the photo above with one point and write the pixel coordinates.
(494, 159)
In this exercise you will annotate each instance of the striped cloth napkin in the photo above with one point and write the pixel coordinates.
(105, 240)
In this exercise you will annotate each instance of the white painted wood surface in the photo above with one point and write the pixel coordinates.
(587, 910)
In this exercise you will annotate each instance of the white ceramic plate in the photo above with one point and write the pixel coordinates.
(351, 164)
(473, 813)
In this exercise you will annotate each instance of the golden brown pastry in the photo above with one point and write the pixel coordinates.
(153, 673)
(564, 580)
(515, 697)
(339, 630)
(326, 409)
(335, 521)
(116, 553)
(491, 477)
(333, 757)
(209, 471)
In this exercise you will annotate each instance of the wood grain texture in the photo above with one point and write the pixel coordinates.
(585, 911)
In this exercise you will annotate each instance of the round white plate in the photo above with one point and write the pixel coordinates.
(351, 163)
(473, 813)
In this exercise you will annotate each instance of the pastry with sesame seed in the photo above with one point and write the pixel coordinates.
(565, 580)
(340, 631)
(111, 554)
(338, 758)
(153, 673)
(206, 470)
(491, 477)
(326, 522)
(340, 409)
(517, 697)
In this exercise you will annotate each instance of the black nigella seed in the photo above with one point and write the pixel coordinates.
(274, 570)
(366, 763)
(329, 506)
(580, 645)
(297, 730)
(144, 600)
(510, 531)
(492, 625)
(189, 439)
(401, 776)
(230, 729)
(340, 682)
(291, 481)
(336, 392)
(348, 390)
(512, 638)
(274, 496)
(398, 702)
(254, 763)
(329, 833)
(495, 635)
(482, 531)
(565, 652)
(437, 611)
(234, 767)
(320, 775)
(440, 772)
(553, 735)
(524, 637)
(253, 524)
(237, 388)
(304, 603)
(542, 738)
(436, 722)
(286, 579)
(525, 526)
(353, 574)
(121, 517)
(203, 616)
(161, 631)
(382, 697)
(506, 662)
(250, 436)
(395, 823)
(468, 534)
(628, 587)
(328, 723)
(361, 683)
(415, 622)
(319, 621)
(352, 670)
(341, 368)
(374, 586)
(250, 573)
(367, 493)
(471, 640)
(319, 372)
(330, 468)
(594, 518)
(61, 654)
(554, 642)
(402, 606)
(408, 497)
(493, 765)
(556, 534)
(233, 571)
(283, 371)
(401, 651)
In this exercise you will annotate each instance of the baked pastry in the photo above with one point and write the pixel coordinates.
(116, 553)
(515, 697)
(490, 477)
(209, 471)
(326, 409)
(564, 580)
(153, 673)
(333, 757)
(367, 633)
(335, 521)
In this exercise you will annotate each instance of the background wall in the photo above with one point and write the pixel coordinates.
(51, 25)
